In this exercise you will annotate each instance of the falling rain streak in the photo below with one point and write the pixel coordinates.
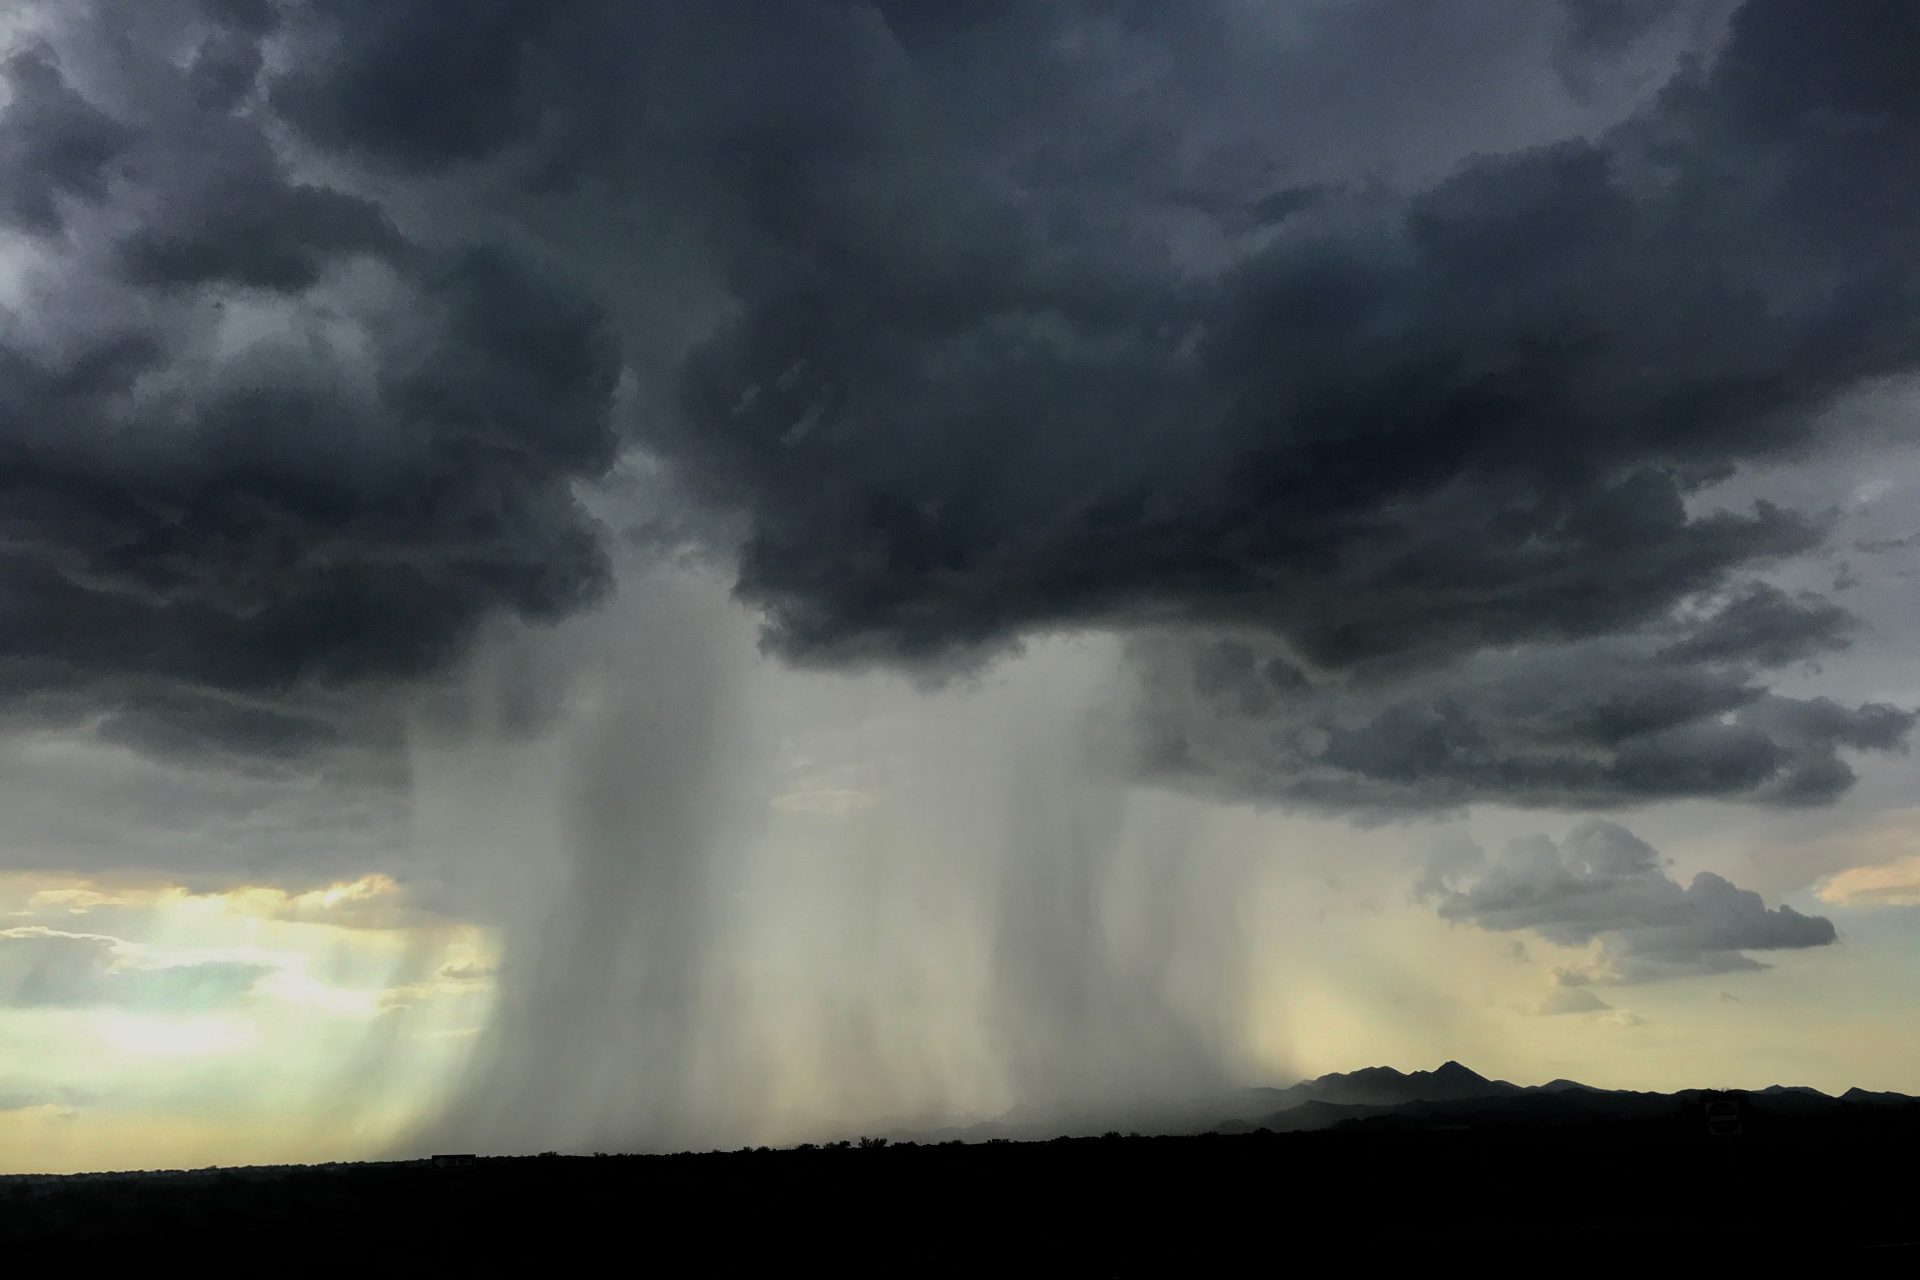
(742, 903)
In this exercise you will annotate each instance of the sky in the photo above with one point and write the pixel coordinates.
(635, 575)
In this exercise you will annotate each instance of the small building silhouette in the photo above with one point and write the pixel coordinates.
(453, 1160)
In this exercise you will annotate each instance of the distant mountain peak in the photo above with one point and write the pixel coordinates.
(1453, 1070)
(1366, 1073)
(1389, 1086)
(1562, 1085)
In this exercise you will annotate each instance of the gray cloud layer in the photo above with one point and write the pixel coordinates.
(1409, 372)
(48, 968)
(1602, 883)
(1671, 709)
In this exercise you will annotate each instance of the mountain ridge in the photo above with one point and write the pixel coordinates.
(1451, 1094)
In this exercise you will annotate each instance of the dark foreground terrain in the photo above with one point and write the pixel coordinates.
(1498, 1192)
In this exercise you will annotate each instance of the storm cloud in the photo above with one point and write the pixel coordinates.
(1112, 420)
(1374, 415)
(1674, 709)
(255, 443)
(1423, 425)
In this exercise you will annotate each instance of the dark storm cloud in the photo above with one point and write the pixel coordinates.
(1605, 26)
(1663, 711)
(254, 441)
(1449, 454)
(249, 17)
(252, 229)
(1602, 34)
(1672, 708)
(53, 143)
(1404, 346)
(1473, 419)
(1764, 625)
(1602, 883)
(416, 84)
(299, 517)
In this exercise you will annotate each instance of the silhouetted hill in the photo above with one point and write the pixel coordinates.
(1449, 1094)
(1562, 1085)
(1386, 1087)
(1250, 1107)
(1448, 1098)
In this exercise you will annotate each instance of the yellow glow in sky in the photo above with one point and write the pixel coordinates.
(152, 1026)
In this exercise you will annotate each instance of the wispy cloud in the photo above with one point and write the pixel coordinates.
(1893, 884)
